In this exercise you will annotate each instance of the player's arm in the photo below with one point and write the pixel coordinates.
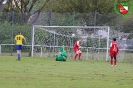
(25, 40)
(117, 48)
(15, 40)
(110, 50)
(78, 44)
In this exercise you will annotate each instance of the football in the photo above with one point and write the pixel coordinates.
(73, 35)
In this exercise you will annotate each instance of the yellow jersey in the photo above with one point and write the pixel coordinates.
(18, 39)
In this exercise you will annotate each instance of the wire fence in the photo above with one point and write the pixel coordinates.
(11, 23)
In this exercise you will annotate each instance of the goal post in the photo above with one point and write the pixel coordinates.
(49, 38)
(107, 54)
(32, 48)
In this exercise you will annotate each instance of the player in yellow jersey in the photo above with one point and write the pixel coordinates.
(18, 40)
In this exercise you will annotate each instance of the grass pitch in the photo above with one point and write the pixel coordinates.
(48, 73)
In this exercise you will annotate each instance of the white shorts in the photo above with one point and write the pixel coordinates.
(78, 52)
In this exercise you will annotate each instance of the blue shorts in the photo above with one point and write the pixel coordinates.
(18, 47)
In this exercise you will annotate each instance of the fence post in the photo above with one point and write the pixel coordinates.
(41, 52)
(73, 17)
(32, 50)
(50, 19)
(0, 49)
(87, 54)
(12, 31)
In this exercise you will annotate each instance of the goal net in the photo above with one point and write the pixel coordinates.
(47, 40)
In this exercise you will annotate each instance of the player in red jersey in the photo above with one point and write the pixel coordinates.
(77, 50)
(113, 52)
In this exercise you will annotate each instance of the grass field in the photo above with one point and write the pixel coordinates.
(47, 73)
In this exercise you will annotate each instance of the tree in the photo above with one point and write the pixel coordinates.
(6, 32)
(83, 6)
(26, 7)
(126, 24)
(86, 7)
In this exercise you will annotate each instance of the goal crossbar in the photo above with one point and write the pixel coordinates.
(71, 26)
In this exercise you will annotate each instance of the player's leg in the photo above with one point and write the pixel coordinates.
(18, 52)
(111, 61)
(115, 60)
(80, 53)
(19, 47)
(20, 55)
(76, 54)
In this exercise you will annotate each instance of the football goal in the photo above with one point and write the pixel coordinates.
(46, 41)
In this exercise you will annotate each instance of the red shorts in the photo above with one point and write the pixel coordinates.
(76, 49)
(113, 54)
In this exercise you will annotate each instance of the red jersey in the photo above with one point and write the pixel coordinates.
(114, 47)
(76, 45)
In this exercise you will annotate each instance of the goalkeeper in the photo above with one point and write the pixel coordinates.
(63, 55)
